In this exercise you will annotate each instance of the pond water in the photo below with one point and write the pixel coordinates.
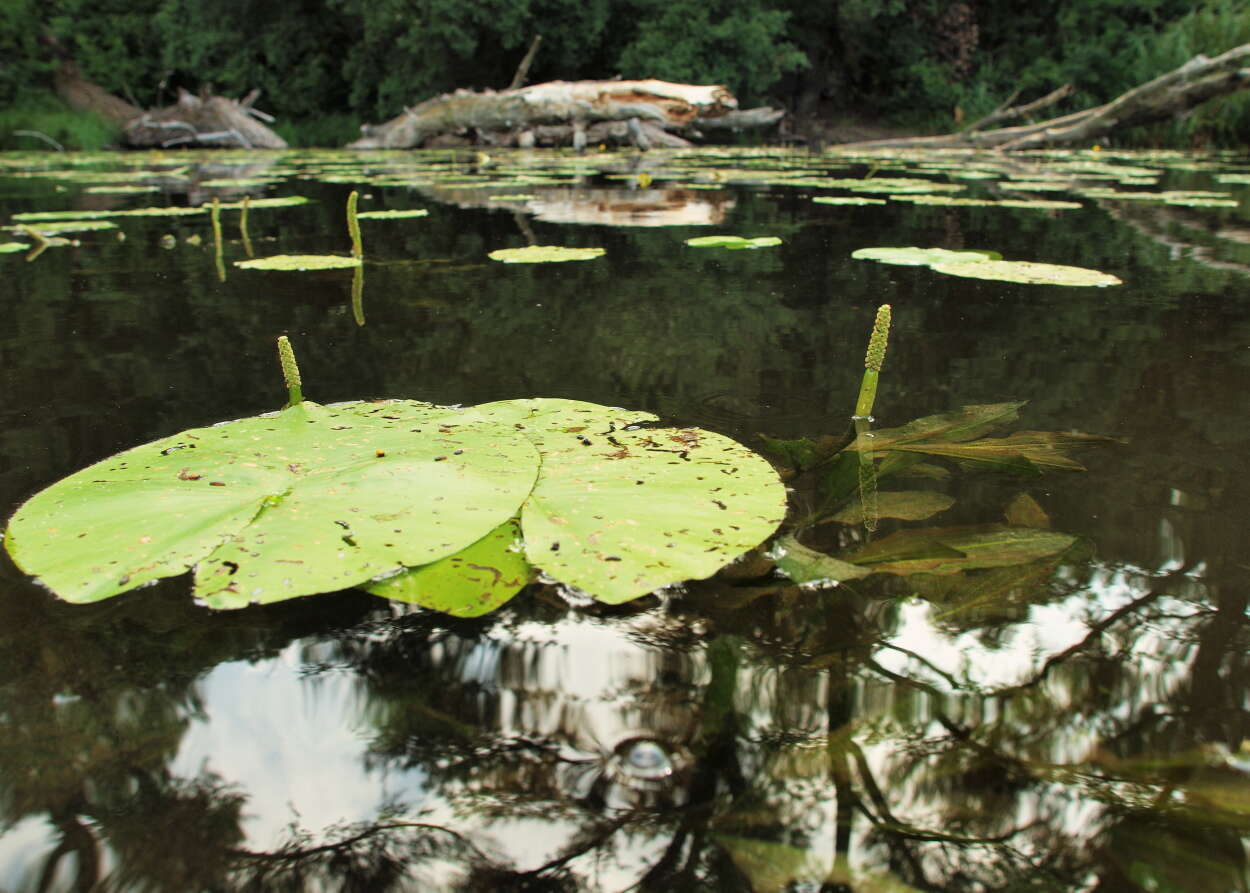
(1076, 724)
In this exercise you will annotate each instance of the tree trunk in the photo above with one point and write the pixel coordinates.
(1168, 96)
(505, 117)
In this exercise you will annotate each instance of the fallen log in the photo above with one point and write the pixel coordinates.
(571, 112)
(205, 122)
(1171, 95)
(193, 121)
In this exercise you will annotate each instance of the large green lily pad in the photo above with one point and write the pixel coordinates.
(410, 500)
(310, 499)
(619, 510)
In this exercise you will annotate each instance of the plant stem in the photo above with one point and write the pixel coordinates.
(290, 372)
(247, 242)
(353, 225)
(873, 361)
(217, 244)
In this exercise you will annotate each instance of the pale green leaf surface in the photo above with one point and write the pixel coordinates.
(299, 262)
(394, 214)
(544, 254)
(619, 513)
(733, 243)
(474, 581)
(922, 257)
(1029, 273)
(311, 499)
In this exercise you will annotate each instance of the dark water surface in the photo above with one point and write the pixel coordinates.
(1085, 731)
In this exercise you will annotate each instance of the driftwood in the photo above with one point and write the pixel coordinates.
(643, 113)
(211, 121)
(1171, 95)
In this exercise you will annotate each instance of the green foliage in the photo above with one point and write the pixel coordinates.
(42, 112)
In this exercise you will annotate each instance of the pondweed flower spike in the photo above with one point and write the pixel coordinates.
(215, 216)
(290, 372)
(873, 361)
(353, 225)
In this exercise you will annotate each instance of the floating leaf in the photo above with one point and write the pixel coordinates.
(277, 201)
(57, 227)
(299, 262)
(846, 200)
(393, 215)
(1029, 273)
(804, 565)
(923, 257)
(12, 247)
(952, 550)
(310, 499)
(907, 505)
(474, 581)
(544, 254)
(733, 243)
(619, 512)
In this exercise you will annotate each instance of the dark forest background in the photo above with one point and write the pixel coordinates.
(326, 66)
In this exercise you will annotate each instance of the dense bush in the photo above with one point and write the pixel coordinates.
(925, 63)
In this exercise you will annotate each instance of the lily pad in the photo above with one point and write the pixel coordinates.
(619, 510)
(1028, 272)
(299, 262)
(473, 582)
(393, 214)
(923, 257)
(310, 499)
(12, 247)
(733, 243)
(846, 200)
(56, 227)
(544, 254)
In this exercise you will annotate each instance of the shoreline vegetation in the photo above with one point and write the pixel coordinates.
(848, 73)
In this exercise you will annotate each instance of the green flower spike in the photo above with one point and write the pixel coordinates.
(873, 361)
(290, 372)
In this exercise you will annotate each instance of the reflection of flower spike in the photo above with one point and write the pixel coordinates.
(290, 372)
(876, 344)
(873, 361)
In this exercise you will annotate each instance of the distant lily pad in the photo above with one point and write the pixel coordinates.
(56, 227)
(12, 247)
(299, 262)
(519, 197)
(120, 190)
(544, 254)
(278, 201)
(1028, 272)
(733, 243)
(392, 215)
(846, 200)
(923, 257)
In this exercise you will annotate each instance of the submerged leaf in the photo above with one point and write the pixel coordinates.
(310, 499)
(804, 565)
(906, 505)
(299, 262)
(1029, 273)
(952, 550)
(733, 243)
(1023, 511)
(544, 254)
(474, 581)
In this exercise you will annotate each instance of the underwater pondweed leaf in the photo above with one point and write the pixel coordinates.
(544, 254)
(804, 565)
(952, 550)
(474, 581)
(299, 262)
(733, 243)
(906, 505)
